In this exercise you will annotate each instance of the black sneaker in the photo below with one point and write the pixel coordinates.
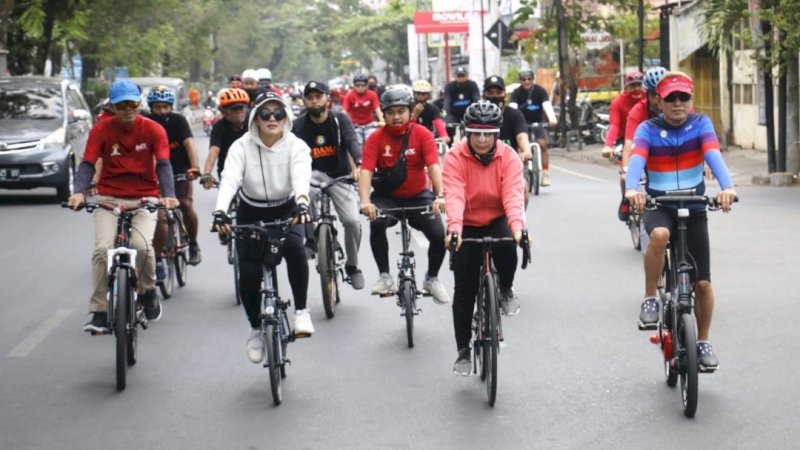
(152, 305)
(98, 324)
(648, 317)
(195, 255)
(356, 277)
(463, 364)
(706, 358)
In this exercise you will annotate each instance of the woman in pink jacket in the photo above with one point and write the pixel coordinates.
(483, 188)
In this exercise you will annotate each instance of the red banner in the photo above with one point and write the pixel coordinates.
(426, 22)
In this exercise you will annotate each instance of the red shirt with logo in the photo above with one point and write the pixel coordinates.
(129, 156)
(382, 150)
(361, 107)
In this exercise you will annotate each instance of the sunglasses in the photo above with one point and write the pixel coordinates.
(127, 104)
(678, 96)
(265, 114)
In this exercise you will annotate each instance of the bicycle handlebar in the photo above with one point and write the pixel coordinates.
(118, 209)
(685, 197)
(489, 241)
(346, 179)
(424, 210)
(263, 227)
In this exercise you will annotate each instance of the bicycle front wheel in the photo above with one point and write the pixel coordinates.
(271, 342)
(407, 295)
(326, 262)
(121, 300)
(235, 258)
(491, 339)
(634, 223)
(181, 250)
(689, 365)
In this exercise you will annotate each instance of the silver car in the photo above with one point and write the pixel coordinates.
(44, 125)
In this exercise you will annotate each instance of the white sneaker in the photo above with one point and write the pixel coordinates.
(437, 291)
(385, 284)
(255, 347)
(302, 322)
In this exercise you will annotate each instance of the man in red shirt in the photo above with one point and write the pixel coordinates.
(620, 107)
(360, 104)
(136, 157)
(381, 152)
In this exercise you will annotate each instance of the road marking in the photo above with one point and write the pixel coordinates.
(577, 174)
(25, 347)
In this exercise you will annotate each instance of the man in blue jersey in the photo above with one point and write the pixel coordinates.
(672, 148)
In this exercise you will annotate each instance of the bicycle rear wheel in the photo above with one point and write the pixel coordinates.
(235, 258)
(271, 342)
(491, 338)
(326, 263)
(407, 295)
(181, 250)
(689, 365)
(121, 300)
(133, 337)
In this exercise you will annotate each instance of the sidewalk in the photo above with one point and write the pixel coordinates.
(747, 167)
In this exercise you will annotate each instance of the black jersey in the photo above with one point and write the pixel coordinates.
(330, 142)
(457, 97)
(513, 124)
(178, 130)
(428, 115)
(530, 102)
(223, 136)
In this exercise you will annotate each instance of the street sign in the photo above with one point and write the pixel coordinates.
(499, 31)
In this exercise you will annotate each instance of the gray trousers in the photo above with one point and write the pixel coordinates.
(345, 202)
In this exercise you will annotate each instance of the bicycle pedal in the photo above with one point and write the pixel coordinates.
(99, 333)
(645, 327)
(702, 369)
(301, 335)
(385, 294)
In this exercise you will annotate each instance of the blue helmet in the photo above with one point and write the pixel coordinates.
(652, 77)
(160, 94)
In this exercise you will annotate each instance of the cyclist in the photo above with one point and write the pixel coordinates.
(483, 187)
(183, 158)
(362, 105)
(513, 129)
(269, 169)
(374, 86)
(129, 144)
(672, 149)
(233, 104)
(334, 152)
(424, 113)
(535, 105)
(381, 152)
(250, 84)
(264, 77)
(620, 107)
(458, 94)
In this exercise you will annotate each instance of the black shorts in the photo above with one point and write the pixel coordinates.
(696, 234)
(538, 133)
(183, 189)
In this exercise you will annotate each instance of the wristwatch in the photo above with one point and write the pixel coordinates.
(440, 196)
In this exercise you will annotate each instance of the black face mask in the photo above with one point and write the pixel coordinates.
(316, 112)
(484, 159)
(162, 119)
(499, 101)
(252, 93)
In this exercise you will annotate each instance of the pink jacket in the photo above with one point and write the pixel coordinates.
(477, 194)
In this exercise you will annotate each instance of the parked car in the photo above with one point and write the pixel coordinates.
(44, 125)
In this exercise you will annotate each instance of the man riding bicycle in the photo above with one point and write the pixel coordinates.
(458, 94)
(672, 148)
(137, 165)
(334, 152)
(535, 105)
(183, 158)
(233, 104)
(483, 187)
(363, 106)
(382, 151)
(425, 113)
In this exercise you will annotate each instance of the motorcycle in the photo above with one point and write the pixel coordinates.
(209, 119)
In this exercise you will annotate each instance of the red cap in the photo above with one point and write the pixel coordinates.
(675, 82)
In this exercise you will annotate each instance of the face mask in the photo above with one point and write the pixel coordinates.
(372, 86)
(398, 129)
(499, 101)
(484, 159)
(162, 119)
(252, 93)
(316, 112)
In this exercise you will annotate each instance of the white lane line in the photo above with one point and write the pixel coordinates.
(578, 174)
(24, 348)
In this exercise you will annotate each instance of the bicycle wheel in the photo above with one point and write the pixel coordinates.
(491, 338)
(181, 250)
(235, 253)
(326, 263)
(536, 181)
(407, 295)
(670, 370)
(689, 367)
(633, 226)
(271, 342)
(230, 251)
(121, 301)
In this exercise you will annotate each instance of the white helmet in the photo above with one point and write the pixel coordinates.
(250, 74)
(263, 74)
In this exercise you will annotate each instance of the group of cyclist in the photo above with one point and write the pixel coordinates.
(266, 159)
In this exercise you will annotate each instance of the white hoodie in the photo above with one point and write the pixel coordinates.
(286, 167)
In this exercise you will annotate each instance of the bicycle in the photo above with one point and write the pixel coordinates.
(533, 168)
(330, 255)
(124, 311)
(635, 222)
(487, 329)
(267, 239)
(441, 147)
(677, 329)
(232, 252)
(407, 292)
(176, 250)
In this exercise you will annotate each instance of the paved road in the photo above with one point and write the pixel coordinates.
(575, 372)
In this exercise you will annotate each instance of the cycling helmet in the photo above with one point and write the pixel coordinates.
(263, 74)
(634, 76)
(396, 96)
(233, 96)
(421, 86)
(360, 77)
(249, 74)
(160, 94)
(484, 115)
(652, 77)
(525, 73)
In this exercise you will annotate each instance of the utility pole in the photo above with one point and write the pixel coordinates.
(640, 13)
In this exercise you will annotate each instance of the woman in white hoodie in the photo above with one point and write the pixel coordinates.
(269, 168)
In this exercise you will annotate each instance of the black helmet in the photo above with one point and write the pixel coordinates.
(483, 114)
(525, 73)
(396, 97)
(360, 76)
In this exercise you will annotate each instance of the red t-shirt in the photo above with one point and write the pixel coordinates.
(361, 107)
(638, 114)
(618, 116)
(382, 150)
(129, 169)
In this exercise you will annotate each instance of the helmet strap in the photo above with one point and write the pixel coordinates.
(486, 158)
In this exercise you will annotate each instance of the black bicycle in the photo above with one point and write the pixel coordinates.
(176, 250)
(124, 311)
(330, 255)
(232, 252)
(407, 292)
(635, 222)
(487, 328)
(265, 241)
(677, 329)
